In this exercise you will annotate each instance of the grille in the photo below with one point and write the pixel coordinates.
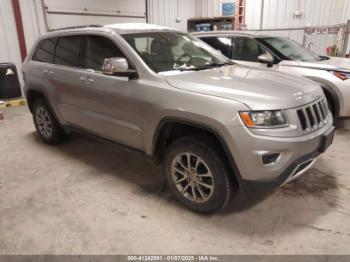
(313, 116)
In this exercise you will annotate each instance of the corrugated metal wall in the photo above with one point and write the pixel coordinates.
(279, 14)
(33, 20)
(9, 47)
(171, 13)
(208, 8)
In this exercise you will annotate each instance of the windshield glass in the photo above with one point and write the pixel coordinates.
(168, 51)
(290, 49)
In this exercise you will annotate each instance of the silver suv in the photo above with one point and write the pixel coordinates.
(215, 126)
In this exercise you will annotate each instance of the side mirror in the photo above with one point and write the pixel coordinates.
(118, 66)
(323, 57)
(266, 58)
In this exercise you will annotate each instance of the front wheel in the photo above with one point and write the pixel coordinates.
(197, 175)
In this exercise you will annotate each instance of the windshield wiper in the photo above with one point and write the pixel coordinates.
(207, 66)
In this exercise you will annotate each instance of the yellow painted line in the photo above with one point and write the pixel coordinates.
(15, 102)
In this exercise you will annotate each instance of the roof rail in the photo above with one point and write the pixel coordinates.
(75, 27)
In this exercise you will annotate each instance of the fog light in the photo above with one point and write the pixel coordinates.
(270, 158)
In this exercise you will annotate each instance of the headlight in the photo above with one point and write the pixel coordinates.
(342, 75)
(264, 119)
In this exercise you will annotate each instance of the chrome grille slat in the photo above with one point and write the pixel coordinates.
(325, 106)
(319, 111)
(314, 115)
(322, 108)
(306, 118)
(317, 114)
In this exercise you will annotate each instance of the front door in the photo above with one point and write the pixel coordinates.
(241, 49)
(112, 104)
(246, 51)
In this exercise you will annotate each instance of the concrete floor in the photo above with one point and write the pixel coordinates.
(86, 197)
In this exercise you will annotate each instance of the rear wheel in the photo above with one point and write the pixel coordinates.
(197, 175)
(46, 124)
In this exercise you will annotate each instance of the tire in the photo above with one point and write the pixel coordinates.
(46, 124)
(330, 106)
(330, 101)
(206, 190)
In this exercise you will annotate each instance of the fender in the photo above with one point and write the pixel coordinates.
(211, 130)
(47, 100)
(329, 87)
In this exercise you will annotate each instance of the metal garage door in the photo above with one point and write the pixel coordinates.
(63, 13)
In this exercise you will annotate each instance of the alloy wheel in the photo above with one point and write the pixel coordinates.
(192, 177)
(44, 122)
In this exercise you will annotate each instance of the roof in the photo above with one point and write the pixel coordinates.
(240, 33)
(122, 28)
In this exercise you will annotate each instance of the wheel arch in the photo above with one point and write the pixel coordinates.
(169, 129)
(35, 93)
(330, 93)
(32, 95)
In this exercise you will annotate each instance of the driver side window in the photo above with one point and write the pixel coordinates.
(246, 49)
(154, 51)
(99, 48)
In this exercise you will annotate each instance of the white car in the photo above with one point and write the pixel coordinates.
(283, 54)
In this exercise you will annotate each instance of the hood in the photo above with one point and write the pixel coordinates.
(257, 88)
(338, 62)
(333, 63)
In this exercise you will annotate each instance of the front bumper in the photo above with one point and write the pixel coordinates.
(285, 177)
(296, 155)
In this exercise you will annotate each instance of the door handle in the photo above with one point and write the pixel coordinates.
(83, 78)
(86, 79)
(48, 72)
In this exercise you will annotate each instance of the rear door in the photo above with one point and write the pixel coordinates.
(69, 62)
(41, 73)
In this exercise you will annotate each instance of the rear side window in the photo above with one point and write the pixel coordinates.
(45, 51)
(99, 48)
(70, 51)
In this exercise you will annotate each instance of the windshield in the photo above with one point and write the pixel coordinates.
(168, 51)
(291, 50)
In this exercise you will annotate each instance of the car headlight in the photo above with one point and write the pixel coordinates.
(264, 119)
(342, 75)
